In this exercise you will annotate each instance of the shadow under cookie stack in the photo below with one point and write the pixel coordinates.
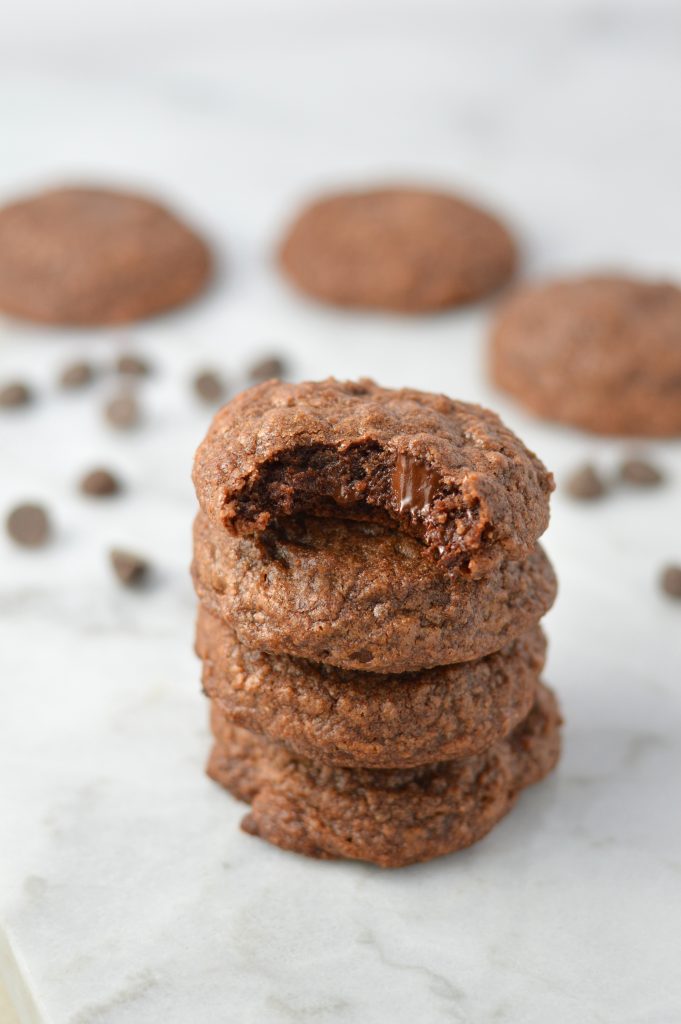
(370, 589)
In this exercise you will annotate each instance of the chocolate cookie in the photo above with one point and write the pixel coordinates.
(391, 818)
(400, 249)
(359, 596)
(445, 472)
(362, 719)
(600, 353)
(87, 256)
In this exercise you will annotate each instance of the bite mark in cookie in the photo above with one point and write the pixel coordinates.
(447, 473)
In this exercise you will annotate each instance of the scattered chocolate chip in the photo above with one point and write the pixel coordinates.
(76, 375)
(209, 386)
(28, 525)
(267, 368)
(670, 581)
(122, 411)
(640, 472)
(133, 366)
(14, 394)
(585, 484)
(100, 483)
(130, 569)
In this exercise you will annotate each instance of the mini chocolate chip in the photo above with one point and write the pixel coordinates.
(100, 483)
(670, 581)
(209, 386)
(28, 525)
(640, 472)
(122, 411)
(14, 394)
(267, 368)
(133, 365)
(363, 656)
(585, 484)
(131, 569)
(76, 375)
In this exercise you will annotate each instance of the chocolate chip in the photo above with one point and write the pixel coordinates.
(76, 375)
(14, 394)
(100, 483)
(640, 473)
(267, 368)
(131, 569)
(670, 581)
(133, 366)
(363, 656)
(122, 411)
(209, 386)
(585, 484)
(28, 525)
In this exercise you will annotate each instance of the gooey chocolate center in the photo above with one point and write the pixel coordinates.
(414, 484)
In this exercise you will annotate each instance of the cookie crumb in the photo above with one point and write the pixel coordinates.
(76, 375)
(209, 386)
(28, 525)
(640, 473)
(670, 581)
(100, 483)
(585, 483)
(122, 411)
(133, 366)
(15, 394)
(267, 368)
(131, 569)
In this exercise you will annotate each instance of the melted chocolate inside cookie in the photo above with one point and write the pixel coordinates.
(366, 482)
(413, 483)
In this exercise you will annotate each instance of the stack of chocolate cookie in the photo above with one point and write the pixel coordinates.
(371, 586)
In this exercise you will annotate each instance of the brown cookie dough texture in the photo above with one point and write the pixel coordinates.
(90, 256)
(391, 818)
(447, 473)
(338, 717)
(360, 596)
(599, 353)
(400, 249)
(370, 586)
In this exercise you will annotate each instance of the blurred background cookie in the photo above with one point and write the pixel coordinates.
(404, 249)
(90, 256)
(602, 353)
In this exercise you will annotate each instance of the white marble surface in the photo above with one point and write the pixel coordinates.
(127, 893)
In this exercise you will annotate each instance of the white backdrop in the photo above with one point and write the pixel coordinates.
(128, 894)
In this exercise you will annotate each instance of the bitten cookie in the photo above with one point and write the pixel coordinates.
(448, 473)
(600, 353)
(359, 596)
(89, 256)
(391, 818)
(361, 719)
(400, 249)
